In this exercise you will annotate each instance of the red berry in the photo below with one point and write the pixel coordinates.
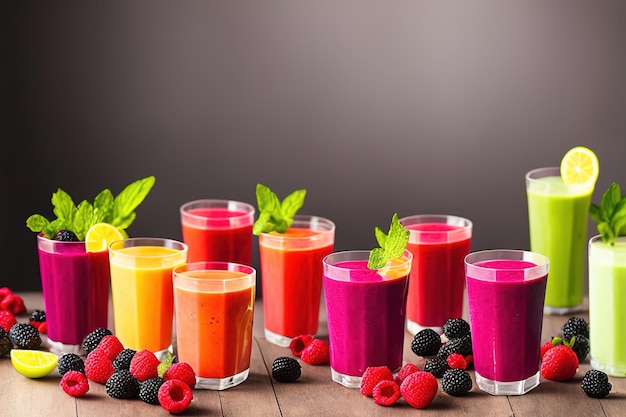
(406, 370)
(456, 360)
(4, 291)
(546, 347)
(144, 365)
(13, 303)
(181, 371)
(42, 327)
(419, 389)
(74, 383)
(7, 320)
(175, 396)
(111, 346)
(316, 352)
(298, 343)
(372, 376)
(559, 363)
(98, 367)
(386, 393)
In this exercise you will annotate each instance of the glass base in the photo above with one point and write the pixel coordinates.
(219, 384)
(608, 369)
(561, 311)
(277, 339)
(415, 328)
(59, 348)
(347, 381)
(507, 388)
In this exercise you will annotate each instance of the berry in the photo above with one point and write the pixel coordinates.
(581, 347)
(25, 336)
(426, 342)
(122, 385)
(575, 326)
(175, 396)
(90, 342)
(70, 362)
(13, 303)
(4, 291)
(596, 384)
(7, 320)
(285, 369)
(462, 345)
(405, 371)
(98, 367)
(144, 365)
(456, 328)
(298, 344)
(546, 347)
(149, 390)
(181, 371)
(386, 393)
(316, 352)
(436, 366)
(111, 346)
(5, 343)
(74, 383)
(372, 376)
(38, 316)
(456, 361)
(456, 382)
(66, 236)
(122, 360)
(559, 363)
(419, 389)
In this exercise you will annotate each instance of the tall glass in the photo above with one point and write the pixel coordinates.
(506, 290)
(558, 215)
(291, 277)
(214, 305)
(218, 230)
(75, 287)
(366, 311)
(607, 310)
(142, 291)
(439, 243)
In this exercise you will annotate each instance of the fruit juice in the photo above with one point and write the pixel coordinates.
(607, 310)
(558, 217)
(75, 286)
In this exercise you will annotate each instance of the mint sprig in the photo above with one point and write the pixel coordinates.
(118, 211)
(275, 215)
(610, 215)
(392, 244)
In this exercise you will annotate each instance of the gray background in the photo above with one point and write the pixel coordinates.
(373, 107)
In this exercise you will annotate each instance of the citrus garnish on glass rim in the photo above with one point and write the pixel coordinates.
(33, 363)
(100, 235)
(580, 166)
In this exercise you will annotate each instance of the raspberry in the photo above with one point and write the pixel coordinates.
(4, 291)
(316, 352)
(70, 362)
(90, 342)
(436, 366)
(596, 384)
(175, 396)
(559, 363)
(149, 390)
(98, 367)
(13, 303)
(25, 336)
(144, 365)
(419, 389)
(5, 343)
(286, 369)
(298, 344)
(386, 393)
(456, 328)
(426, 342)
(456, 382)
(122, 385)
(181, 371)
(111, 346)
(405, 371)
(7, 320)
(456, 360)
(575, 326)
(372, 376)
(122, 360)
(74, 383)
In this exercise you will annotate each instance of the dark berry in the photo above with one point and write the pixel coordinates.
(462, 345)
(456, 382)
(596, 384)
(122, 360)
(436, 366)
(285, 369)
(574, 326)
(122, 385)
(426, 342)
(38, 316)
(149, 390)
(91, 341)
(455, 328)
(25, 336)
(66, 236)
(581, 347)
(5, 343)
(70, 362)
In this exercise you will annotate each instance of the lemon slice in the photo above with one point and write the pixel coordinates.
(100, 235)
(580, 166)
(33, 363)
(395, 269)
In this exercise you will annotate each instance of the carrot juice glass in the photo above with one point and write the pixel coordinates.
(214, 308)
(218, 230)
(142, 291)
(291, 277)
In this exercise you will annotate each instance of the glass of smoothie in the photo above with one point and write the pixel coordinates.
(439, 244)
(506, 290)
(558, 215)
(75, 287)
(142, 291)
(214, 308)
(366, 312)
(218, 230)
(291, 277)
(607, 310)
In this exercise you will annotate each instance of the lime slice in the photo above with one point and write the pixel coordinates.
(580, 166)
(33, 363)
(100, 235)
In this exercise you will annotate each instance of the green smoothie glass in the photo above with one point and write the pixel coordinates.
(558, 215)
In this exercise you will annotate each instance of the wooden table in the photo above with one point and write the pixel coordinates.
(315, 394)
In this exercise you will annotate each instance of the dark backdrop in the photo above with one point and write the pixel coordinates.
(373, 107)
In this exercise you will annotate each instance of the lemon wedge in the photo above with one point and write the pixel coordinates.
(100, 235)
(580, 166)
(395, 268)
(33, 363)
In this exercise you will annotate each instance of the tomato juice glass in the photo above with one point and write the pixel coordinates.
(291, 277)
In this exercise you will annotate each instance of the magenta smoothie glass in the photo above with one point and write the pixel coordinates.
(506, 291)
(75, 287)
(366, 311)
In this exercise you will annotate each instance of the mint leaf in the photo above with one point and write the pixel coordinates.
(63, 204)
(128, 200)
(292, 203)
(610, 215)
(392, 244)
(37, 223)
(275, 216)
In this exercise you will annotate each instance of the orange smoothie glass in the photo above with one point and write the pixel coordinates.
(291, 277)
(214, 310)
(142, 291)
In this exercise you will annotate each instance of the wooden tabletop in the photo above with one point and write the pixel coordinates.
(315, 394)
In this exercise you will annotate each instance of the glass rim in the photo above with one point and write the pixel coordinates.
(540, 267)
(248, 270)
(305, 218)
(221, 203)
(114, 247)
(406, 256)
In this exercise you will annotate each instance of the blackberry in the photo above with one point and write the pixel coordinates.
(122, 360)
(149, 390)
(286, 369)
(574, 326)
(25, 336)
(70, 362)
(91, 341)
(456, 382)
(38, 316)
(462, 345)
(426, 342)
(5, 343)
(456, 328)
(596, 384)
(66, 236)
(436, 366)
(122, 385)
(581, 347)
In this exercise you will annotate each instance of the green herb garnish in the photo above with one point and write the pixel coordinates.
(610, 216)
(118, 211)
(274, 215)
(392, 244)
